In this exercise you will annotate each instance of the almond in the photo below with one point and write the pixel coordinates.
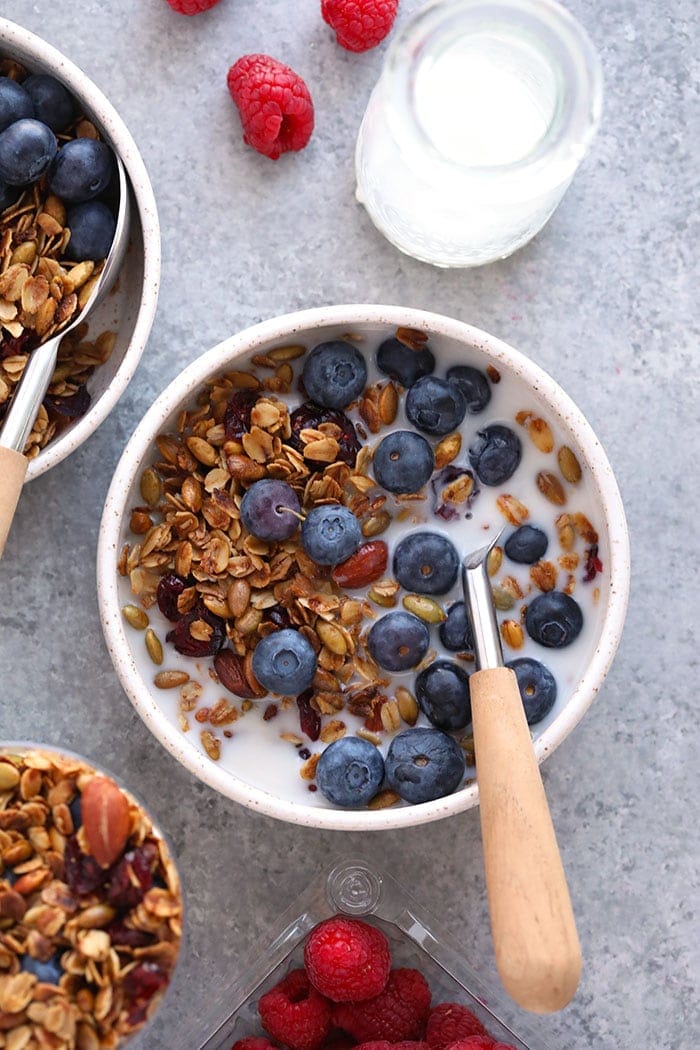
(229, 667)
(364, 566)
(106, 820)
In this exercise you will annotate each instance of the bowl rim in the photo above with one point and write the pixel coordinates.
(13, 34)
(216, 360)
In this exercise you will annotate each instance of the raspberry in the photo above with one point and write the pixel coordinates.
(274, 104)
(191, 7)
(347, 960)
(295, 1014)
(384, 1044)
(475, 1042)
(450, 1022)
(254, 1042)
(398, 1013)
(359, 24)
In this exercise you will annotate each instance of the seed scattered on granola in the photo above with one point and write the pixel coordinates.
(424, 608)
(494, 560)
(569, 464)
(135, 616)
(512, 509)
(154, 646)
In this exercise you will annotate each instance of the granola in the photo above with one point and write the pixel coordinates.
(192, 561)
(41, 291)
(90, 907)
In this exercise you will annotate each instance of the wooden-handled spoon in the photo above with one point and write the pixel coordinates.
(534, 931)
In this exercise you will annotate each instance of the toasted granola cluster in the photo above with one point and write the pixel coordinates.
(90, 907)
(41, 290)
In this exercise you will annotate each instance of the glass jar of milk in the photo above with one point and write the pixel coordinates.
(482, 114)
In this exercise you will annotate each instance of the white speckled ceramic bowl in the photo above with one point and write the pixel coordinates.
(158, 708)
(130, 308)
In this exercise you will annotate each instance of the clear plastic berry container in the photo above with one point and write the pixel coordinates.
(352, 887)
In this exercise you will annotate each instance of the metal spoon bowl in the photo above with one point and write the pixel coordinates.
(40, 367)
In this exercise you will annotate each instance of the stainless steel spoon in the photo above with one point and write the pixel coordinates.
(532, 921)
(40, 367)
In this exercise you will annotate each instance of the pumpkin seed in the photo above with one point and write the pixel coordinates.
(384, 799)
(332, 637)
(569, 464)
(447, 449)
(541, 434)
(151, 487)
(494, 560)
(424, 608)
(153, 646)
(502, 599)
(407, 704)
(376, 523)
(136, 617)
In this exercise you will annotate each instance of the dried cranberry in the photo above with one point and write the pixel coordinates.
(309, 719)
(12, 345)
(130, 878)
(187, 645)
(123, 937)
(140, 985)
(593, 564)
(309, 415)
(237, 415)
(450, 511)
(70, 407)
(169, 590)
(83, 874)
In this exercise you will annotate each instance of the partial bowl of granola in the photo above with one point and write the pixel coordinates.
(90, 901)
(58, 134)
(278, 564)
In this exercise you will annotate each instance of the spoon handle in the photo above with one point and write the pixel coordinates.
(13, 467)
(534, 930)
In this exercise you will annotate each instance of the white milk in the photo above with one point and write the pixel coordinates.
(255, 752)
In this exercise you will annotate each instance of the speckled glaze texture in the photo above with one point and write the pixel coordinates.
(311, 327)
(605, 299)
(135, 297)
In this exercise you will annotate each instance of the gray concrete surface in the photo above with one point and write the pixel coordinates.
(605, 299)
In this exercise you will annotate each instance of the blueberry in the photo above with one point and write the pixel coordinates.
(526, 545)
(82, 170)
(554, 619)
(334, 374)
(15, 103)
(495, 454)
(52, 103)
(398, 641)
(8, 195)
(284, 662)
(330, 534)
(92, 227)
(27, 148)
(426, 562)
(537, 686)
(350, 772)
(403, 364)
(442, 691)
(474, 386)
(268, 510)
(456, 633)
(76, 812)
(403, 461)
(435, 406)
(47, 972)
(423, 764)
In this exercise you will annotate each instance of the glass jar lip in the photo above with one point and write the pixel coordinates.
(568, 45)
